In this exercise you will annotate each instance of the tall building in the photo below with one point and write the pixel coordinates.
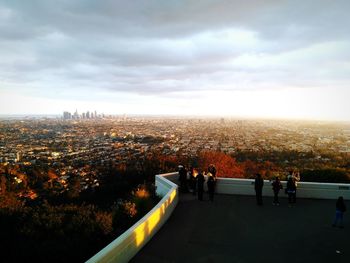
(67, 115)
(76, 114)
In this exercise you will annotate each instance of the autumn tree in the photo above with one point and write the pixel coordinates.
(226, 165)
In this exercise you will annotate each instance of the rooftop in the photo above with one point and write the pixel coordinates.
(234, 229)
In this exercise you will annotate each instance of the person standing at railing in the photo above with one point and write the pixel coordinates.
(211, 187)
(200, 185)
(212, 171)
(339, 212)
(193, 180)
(291, 191)
(258, 186)
(183, 179)
(276, 187)
(296, 178)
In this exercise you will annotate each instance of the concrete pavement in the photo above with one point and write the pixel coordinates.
(234, 229)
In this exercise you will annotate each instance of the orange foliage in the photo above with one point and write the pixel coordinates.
(226, 166)
(141, 192)
(267, 169)
(52, 174)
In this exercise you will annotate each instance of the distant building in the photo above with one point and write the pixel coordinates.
(76, 115)
(67, 115)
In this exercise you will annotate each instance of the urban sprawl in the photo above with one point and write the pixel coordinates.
(73, 144)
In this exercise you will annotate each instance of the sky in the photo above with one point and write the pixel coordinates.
(252, 58)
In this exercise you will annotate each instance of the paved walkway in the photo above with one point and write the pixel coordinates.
(234, 229)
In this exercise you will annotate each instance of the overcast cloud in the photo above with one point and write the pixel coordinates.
(135, 54)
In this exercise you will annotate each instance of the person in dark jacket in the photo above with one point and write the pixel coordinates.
(211, 187)
(276, 187)
(200, 185)
(212, 170)
(340, 209)
(258, 185)
(291, 190)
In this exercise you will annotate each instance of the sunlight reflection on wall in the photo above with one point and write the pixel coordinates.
(130, 242)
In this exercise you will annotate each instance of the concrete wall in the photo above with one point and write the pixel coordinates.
(130, 242)
(305, 189)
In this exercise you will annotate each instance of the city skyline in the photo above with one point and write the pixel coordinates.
(245, 59)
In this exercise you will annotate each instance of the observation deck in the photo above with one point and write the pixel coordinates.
(234, 229)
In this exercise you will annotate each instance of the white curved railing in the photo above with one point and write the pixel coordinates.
(130, 242)
(305, 189)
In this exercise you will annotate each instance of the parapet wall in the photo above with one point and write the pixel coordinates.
(130, 242)
(305, 189)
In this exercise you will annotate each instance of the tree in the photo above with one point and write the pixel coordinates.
(74, 187)
(2, 185)
(226, 165)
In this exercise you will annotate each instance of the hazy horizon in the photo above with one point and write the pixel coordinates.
(243, 59)
(20, 116)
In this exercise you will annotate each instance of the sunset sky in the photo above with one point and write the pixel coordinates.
(269, 59)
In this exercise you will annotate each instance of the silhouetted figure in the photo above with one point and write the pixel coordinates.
(211, 187)
(340, 209)
(296, 178)
(193, 181)
(212, 170)
(291, 190)
(258, 185)
(200, 185)
(276, 187)
(183, 179)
